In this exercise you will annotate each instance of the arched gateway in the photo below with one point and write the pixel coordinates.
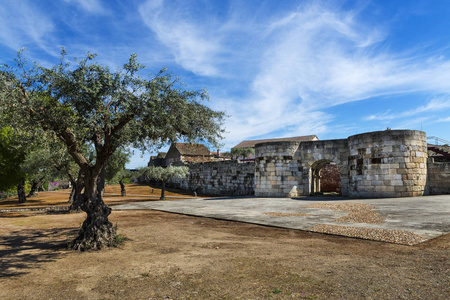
(389, 163)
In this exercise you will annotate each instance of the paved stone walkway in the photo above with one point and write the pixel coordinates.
(426, 217)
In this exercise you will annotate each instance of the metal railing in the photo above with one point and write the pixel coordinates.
(438, 140)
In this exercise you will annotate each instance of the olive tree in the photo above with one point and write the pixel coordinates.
(87, 103)
(12, 155)
(163, 175)
(242, 152)
(23, 159)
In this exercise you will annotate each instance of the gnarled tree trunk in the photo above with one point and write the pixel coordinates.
(34, 186)
(76, 198)
(21, 191)
(96, 232)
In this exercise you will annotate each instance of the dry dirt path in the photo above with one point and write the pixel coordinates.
(171, 256)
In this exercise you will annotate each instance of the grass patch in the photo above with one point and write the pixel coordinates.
(118, 239)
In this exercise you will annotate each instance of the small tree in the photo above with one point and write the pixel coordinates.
(242, 152)
(163, 175)
(115, 169)
(38, 168)
(90, 105)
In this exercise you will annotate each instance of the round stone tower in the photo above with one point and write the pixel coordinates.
(390, 163)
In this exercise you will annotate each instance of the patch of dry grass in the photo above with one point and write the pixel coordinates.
(111, 197)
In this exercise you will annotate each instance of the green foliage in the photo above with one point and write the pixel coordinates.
(163, 174)
(12, 155)
(118, 239)
(115, 168)
(276, 291)
(127, 180)
(242, 152)
(87, 104)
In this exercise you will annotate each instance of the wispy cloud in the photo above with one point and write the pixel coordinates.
(22, 25)
(92, 6)
(277, 70)
(443, 120)
(195, 47)
(435, 104)
(316, 58)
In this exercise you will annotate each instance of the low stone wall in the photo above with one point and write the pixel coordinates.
(222, 178)
(438, 179)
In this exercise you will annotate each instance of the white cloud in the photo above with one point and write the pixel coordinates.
(326, 58)
(22, 25)
(443, 120)
(316, 58)
(194, 47)
(92, 6)
(434, 105)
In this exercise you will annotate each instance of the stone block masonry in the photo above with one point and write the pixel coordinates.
(276, 171)
(222, 178)
(391, 163)
(438, 179)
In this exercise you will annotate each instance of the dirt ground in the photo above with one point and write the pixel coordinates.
(171, 256)
(111, 197)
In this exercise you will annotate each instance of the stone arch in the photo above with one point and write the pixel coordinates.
(313, 156)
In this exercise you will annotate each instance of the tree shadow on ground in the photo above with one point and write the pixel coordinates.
(21, 251)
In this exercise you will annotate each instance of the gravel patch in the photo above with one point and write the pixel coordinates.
(358, 212)
(383, 235)
(285, 214)
(22, 209)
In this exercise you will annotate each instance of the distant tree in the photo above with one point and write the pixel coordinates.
(37, 167)
(24, 159)
(89, 104)
(163, 175)
(115, 169)
(12, 155)
(120, 177)
(242, 152)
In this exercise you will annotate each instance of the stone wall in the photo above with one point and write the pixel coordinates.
(389, 163)
(313, 156)
(222, 178)
(276, 170)
(438, 177)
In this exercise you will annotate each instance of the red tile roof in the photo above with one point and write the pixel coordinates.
(192, 149)
(252, 143)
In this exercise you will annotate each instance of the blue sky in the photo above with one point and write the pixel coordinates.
(278, 68)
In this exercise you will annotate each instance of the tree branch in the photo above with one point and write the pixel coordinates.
(72, 146)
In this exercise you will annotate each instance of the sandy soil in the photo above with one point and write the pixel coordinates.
(112, 197)
(170, 256)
